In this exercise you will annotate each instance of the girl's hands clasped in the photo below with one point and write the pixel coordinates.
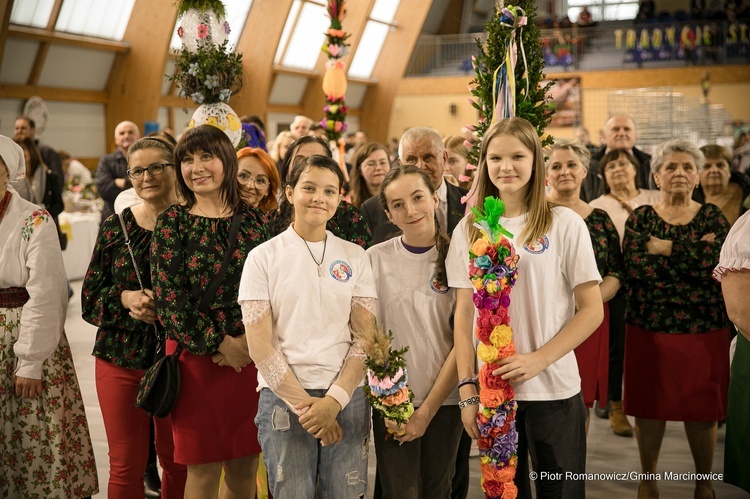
(318, 418)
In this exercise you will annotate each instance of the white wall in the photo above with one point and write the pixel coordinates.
(76, 127)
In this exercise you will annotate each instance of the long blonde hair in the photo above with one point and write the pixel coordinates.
(539, 209)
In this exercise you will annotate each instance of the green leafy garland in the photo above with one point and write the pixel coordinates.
(534, 106)
(202, 5)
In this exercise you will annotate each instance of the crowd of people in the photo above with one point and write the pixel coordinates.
(265, 267)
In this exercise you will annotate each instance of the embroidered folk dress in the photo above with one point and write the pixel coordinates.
(677, 337)
(593, 354)
(45, 447)
(213, 416)
(347, 223)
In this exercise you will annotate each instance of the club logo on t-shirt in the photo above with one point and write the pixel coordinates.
(341, 271)
(537, 247)
(436, 286)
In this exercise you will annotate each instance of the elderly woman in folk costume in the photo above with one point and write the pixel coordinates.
(44, 436)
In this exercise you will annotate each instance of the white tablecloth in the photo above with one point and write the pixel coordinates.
(81, 229)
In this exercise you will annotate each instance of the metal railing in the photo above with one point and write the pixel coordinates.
(600, 48)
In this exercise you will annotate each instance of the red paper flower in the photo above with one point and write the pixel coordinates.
(202, 31)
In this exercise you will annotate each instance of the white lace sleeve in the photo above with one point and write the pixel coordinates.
(274, 369)
(369, 304)
(254, 310)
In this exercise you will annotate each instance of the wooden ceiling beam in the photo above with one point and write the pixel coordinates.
(390, 68)
(134, 85)
(5, 10)
(53, 93)
(258, 43)
(58, 37)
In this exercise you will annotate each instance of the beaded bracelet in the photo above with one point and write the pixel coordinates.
(468, 381)
(469, 401)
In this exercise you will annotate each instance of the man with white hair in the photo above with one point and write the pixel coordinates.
(300, 126)
(619, 133)
(112, 172)
(422, 147)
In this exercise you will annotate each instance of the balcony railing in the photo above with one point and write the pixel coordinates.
(601, 48)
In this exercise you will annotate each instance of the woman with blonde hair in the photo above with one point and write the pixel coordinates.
(458, 158)
(555, 305)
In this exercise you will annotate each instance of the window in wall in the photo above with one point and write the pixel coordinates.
(373, 38)
(237, 12)
(101, 18)
(604, 10)
(303, 35)
(32, 12)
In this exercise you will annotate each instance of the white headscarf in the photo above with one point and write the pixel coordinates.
(13, 158)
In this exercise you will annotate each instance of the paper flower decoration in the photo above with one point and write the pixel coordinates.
(493, 272)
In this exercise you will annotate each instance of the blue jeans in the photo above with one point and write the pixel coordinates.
(298, 465)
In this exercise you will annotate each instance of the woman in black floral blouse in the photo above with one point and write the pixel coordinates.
(213, 418)
(677, 337)
(347, 223)
(567, 167)
(112, 299)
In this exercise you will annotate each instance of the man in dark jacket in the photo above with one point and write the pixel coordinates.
(26, 127)
(619, 133)
(112, 172)
(423, 147)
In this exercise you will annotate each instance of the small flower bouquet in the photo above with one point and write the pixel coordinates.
(387, 387)
(493, 272)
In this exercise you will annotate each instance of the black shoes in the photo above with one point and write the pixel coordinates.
(601, 412)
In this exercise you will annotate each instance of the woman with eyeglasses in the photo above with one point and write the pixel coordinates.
(258, 178)
(370, 167)
(126, 342)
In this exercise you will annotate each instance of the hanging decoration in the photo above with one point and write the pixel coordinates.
(505, 84)
(206, 69)
(493, 272)
(334, 80)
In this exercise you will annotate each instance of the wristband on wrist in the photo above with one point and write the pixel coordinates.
(469, 401)
(339, 395)
(468, 381)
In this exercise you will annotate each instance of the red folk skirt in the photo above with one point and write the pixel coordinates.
(593, 363)
(213, 419)
(676, 377)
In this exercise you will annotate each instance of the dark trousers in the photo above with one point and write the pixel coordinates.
(553, 433)
(460, 482)
(616, 346)
(423, 467)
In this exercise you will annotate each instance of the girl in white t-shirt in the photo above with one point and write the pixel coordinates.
(417, 304)
(304, 294)
(556, 273)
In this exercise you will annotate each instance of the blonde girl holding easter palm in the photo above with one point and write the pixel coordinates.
(555, 306)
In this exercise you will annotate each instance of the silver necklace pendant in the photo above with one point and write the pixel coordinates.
(320, 271)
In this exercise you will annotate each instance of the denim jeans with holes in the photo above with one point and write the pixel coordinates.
(296, 461)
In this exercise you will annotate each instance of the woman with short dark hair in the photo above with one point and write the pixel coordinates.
(213, 417)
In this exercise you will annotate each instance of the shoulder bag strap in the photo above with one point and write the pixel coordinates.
(217, 280)
(159, 335)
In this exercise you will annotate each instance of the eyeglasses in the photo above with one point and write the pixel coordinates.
(257, 181)
(155, 169)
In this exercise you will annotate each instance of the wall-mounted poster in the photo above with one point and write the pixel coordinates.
(565, 95)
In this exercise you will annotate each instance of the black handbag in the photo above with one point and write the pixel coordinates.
(159, 387)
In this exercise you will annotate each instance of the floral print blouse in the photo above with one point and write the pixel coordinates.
(121, 339)
(675, 294)
(606, 243)
(347, 223)
(186, 253)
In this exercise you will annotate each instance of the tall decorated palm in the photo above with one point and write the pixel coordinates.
(509, 72)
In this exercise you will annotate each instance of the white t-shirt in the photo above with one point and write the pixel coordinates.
(618, 214)
(310, 312)
(542, 300)
(417, 310)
